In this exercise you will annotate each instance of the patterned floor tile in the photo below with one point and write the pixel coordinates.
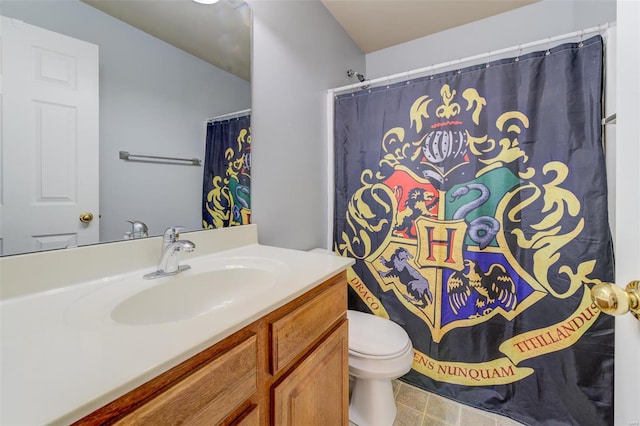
(417, 407)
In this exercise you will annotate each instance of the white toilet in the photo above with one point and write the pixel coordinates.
(379, 351)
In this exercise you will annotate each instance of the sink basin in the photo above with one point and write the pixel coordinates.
(205, 287)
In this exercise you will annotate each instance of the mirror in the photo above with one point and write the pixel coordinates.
(163, 69)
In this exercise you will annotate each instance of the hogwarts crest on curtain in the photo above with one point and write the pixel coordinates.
(226, 193)
(475, 205)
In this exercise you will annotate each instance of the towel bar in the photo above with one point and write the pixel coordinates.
(124, 155)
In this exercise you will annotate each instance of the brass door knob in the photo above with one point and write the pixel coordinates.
(614, 300)
(86, 217)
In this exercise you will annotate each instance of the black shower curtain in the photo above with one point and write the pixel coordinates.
(475, 204)
(226, 193)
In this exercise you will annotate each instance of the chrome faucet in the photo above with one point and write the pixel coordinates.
(171, 248)
(138, 230)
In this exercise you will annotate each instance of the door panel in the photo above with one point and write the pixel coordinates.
(627, 207)
(49, 139)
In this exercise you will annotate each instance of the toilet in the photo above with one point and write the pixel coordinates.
(379, 351)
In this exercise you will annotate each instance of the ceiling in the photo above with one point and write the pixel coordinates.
(220, 33)
(378, 24)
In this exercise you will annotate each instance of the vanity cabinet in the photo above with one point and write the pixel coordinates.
(289, 367)
(314, 392)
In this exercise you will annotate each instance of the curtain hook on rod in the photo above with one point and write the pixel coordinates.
(602, 29)
(458, 62)
(580, 44)
(548, 52)
(489, 61)
(517, 59)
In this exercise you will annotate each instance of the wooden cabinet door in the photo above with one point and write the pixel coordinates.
(298, 329)
(206, 396)
(249, 418)
(316, 392)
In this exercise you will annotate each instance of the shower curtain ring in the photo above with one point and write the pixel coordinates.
(602, 29)
(489, 61)
(580, 44)
(548, 52)
(517, 59)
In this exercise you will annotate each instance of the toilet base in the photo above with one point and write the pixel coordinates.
(372, 402)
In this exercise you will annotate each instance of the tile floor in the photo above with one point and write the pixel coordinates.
(417, 407)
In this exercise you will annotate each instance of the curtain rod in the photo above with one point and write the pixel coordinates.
(491, 53)
(229, 115)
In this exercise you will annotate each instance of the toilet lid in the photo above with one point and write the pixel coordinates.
(370, 335)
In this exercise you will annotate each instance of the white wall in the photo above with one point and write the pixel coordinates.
(154, 99)
(299, 51)
(627, 195)
(537, 21)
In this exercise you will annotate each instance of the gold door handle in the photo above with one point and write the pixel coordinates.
(86, 217)
(614, 300)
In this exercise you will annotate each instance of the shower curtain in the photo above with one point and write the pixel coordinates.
(226, 193)
(475, 205)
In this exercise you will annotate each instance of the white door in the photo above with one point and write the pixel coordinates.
(49, 139)
(627, 208)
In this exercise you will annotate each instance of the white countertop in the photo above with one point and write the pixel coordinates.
(58, 365)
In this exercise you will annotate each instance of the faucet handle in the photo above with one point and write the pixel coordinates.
(171, 234)
(138, 229)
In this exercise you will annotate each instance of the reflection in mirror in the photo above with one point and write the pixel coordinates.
(84, 80)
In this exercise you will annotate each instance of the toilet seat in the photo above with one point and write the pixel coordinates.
(374, 337)
(356, 354)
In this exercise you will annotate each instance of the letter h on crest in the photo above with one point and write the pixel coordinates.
(440, 243)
